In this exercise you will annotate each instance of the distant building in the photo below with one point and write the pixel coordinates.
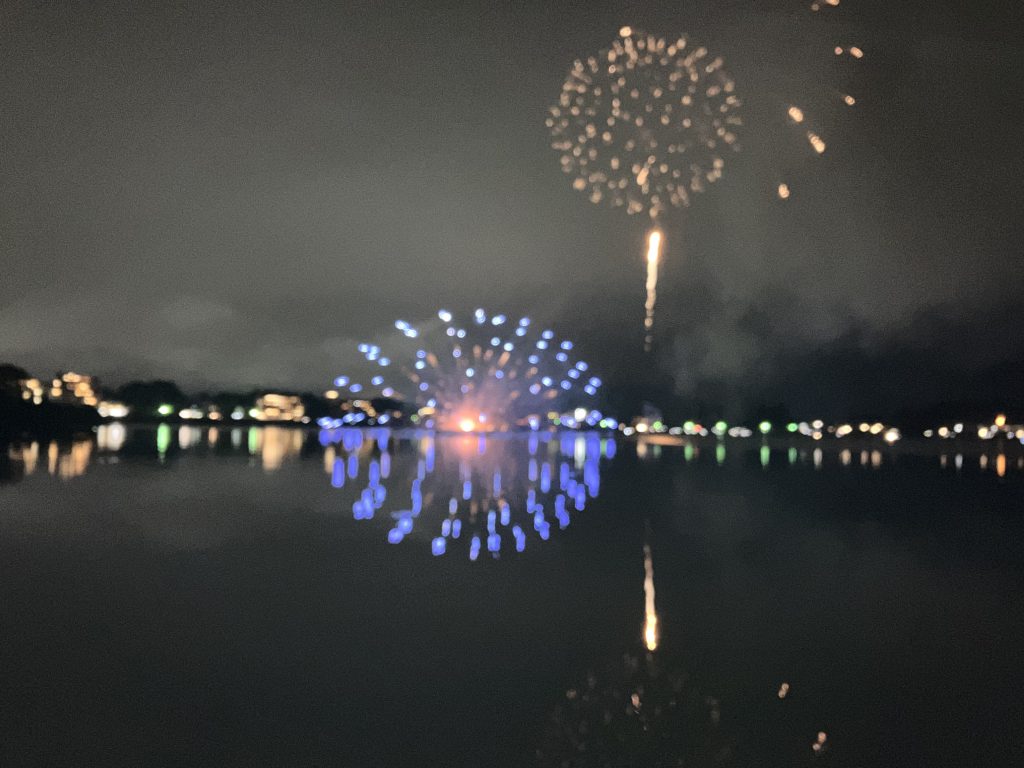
(277, 407)
(113, 409)
(651, 420)
(32, 389)
(73, 389)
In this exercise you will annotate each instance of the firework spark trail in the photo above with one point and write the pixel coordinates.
(798, 117)
(653, 262)
(642, 126)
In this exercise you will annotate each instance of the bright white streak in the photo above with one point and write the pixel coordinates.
(650, 615)
(653, 260)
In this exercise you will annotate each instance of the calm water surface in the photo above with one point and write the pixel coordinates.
(186, 596)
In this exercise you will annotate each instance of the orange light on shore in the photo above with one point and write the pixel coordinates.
(467, 425)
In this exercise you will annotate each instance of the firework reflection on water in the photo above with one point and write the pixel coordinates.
(480, 493)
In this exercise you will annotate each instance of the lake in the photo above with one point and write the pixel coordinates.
(187, 595)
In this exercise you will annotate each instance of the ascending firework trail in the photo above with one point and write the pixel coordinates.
(642, 126)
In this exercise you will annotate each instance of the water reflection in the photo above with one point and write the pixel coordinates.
(189, 436)
(111, 437)
(28, 456)
(645, 708)
(71, 463)
(636, 711)
(163, 439)
(64, 459)
(68, 458)
(483, 492)
(650, 614)
(271, 542)
(274, 446)
(770, 456)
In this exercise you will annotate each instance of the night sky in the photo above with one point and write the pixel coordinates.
(236, 195)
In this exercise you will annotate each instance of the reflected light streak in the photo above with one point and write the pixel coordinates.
(476, 482)
(67, 462)
(650, 615)
(28, 455)
(111, 437)
(278, 444)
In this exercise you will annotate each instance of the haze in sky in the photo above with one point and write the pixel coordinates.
(231, 197)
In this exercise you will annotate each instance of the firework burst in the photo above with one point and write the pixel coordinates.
(643, 124)
(489, 373)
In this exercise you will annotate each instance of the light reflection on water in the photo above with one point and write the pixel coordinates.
(63, 460)
(273, 446)
(733, 551)
(650, 612)
(984, 458)
(486, 493)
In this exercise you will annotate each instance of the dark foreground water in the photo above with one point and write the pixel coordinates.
(187, 597)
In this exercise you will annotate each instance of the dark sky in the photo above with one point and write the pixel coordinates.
(234, 194)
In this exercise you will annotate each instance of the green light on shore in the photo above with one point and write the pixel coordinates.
(792, 427)
(765, 427)
(688, 426)
(720, 427)
(165, 410)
